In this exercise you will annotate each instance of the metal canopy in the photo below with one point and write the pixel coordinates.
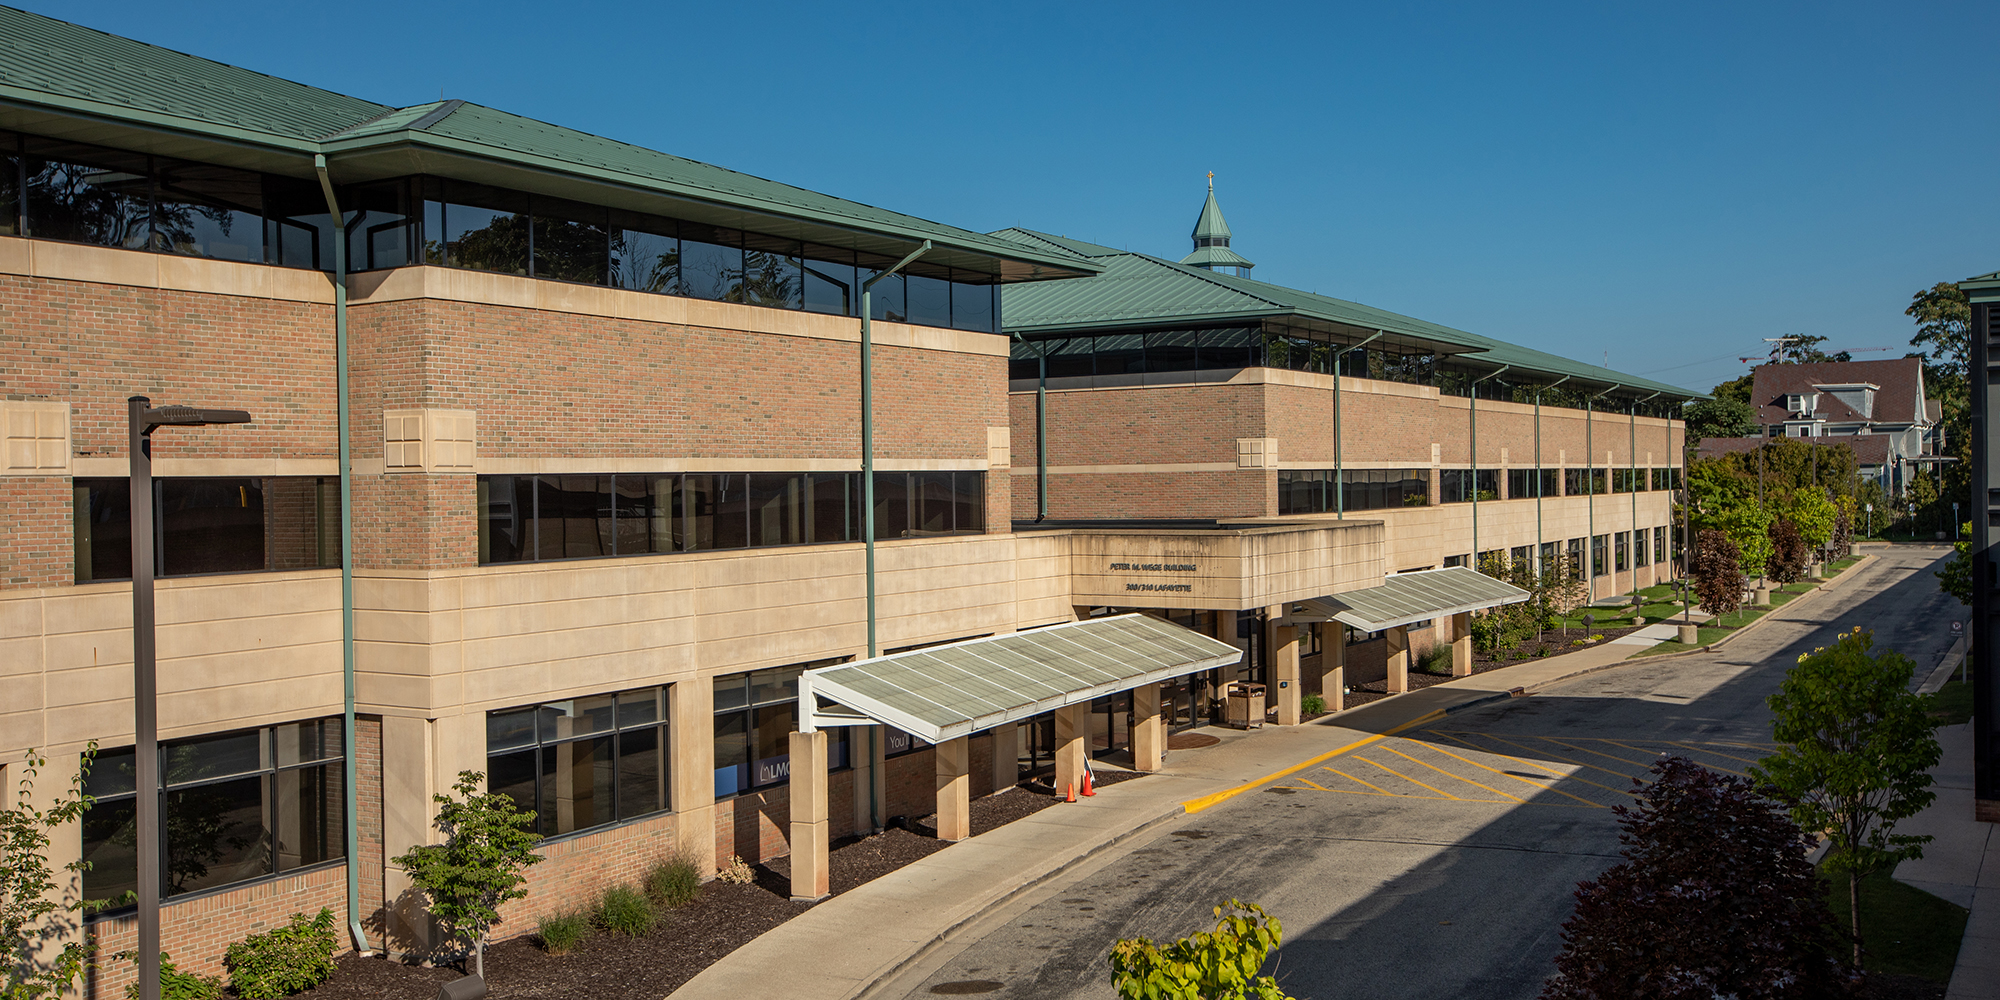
(1412, 597)
(945, 692)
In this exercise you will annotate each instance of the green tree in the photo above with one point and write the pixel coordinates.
(479, 866)
(1813, 514)
(1803, 348)
(1956, 576)
(31, 919)
(1204, 966)
(1723, 499)
(1719, 418)
(1944, 329)
(1737, 389)
(1856, 748)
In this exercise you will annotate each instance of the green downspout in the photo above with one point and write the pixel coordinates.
(1590, 487)
(1339, 435)
(346, 555)
(1539, 567)
(1472, 398)
(868, 429)
(1041, 428)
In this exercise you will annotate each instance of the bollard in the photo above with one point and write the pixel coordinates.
(1688, 635)
(469, 988)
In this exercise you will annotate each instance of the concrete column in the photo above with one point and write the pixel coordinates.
(1006, 756)
(1072, 749)
(1332, 664)
(810, 840)
(407, 788)
(1399, 659)
(1461, 644)
(1149, 730)
(954, 789)
(1283, 641)
(692, 735)
(878, 781)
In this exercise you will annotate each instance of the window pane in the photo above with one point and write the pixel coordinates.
(312, 825)
(111, 773)
(216, 834)
(380, 218)
(506, 730)
(969, 513)
(641, 514)
(211, 526)
(87, 195)
(772, 686)
(771, 273)
(886, 298)
(207, 211)
(711, 263)
(642, 772)
(698, 499)
(513, 775)
(646, 255)
(829, 281)
(934, 501)
(639, 708)
(1170, 351)
(830, 515)
(972, 304)
(111, 845)
(732, 692)
(560, 720)
(775, 725)
(1233, 348)
(10, 187)
(573, 516)
(1121, 353)
(298, 232)
(305, 742)
(571, 241)
(1070, 357)
(103, 525)
(892, 505)
(666, 524)
(506, 518)
(732, 511)
(207, 757)
(485, 228)
(577, 791)
(732, 753)
(929, 300)
(777, 508)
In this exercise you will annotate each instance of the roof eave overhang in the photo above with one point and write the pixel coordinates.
(1346, 328)
(1350, 617)
(77, 120)
(396, 154)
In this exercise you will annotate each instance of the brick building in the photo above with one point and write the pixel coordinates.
(603, 480)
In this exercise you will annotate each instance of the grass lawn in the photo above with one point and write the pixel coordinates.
(1904, 930)
(1703, 635)
(1741, 617)
(1955, 700)
(1841, 565)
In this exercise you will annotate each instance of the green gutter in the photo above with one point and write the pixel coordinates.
(868, 428)
(346, 555)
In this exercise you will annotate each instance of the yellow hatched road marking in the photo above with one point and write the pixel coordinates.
(1314, 784)
(1656, 753)
(1198, 804)
(1405, 795)
(1715, 753)
(1352, 778)
(1405, 777)
(1516, 777)
(1566, 760)
(1448, 774)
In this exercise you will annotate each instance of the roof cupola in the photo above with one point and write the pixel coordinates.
(1211, 240)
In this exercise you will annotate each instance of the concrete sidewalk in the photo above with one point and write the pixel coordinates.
(839, 948)
(1961, 865)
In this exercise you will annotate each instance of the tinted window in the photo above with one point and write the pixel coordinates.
(829, 281)
(210, 525)
(10, 186)
(380, 218)
(711, 263)
(1229, 348)
(970, 501)
(298, 232)
(772, 275)
(87, 195)
(886, 297)
(573, 516)
(572, 241)
(483, 228)
(1170, 351)
(972, 305)
(929, 300)
(646, 256)
(506, 518)
(1070, 357)
(1121, 353)
(777, 508)
(206, 211)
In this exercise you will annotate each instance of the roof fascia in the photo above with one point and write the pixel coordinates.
(150, 132)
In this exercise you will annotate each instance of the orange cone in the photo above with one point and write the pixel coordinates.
(1088, 786)
(1072, 793)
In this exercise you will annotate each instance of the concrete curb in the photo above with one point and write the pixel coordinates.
(1845, 576)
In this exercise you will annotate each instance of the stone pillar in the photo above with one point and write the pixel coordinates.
(1461, 644)
(1006, 756)
(1149, 730)
(407, 787)
(1283, 642)
(1399, 659)
(1072, 749)
(1332, 664)
(692, 756)
(954, 789)
(810, 881)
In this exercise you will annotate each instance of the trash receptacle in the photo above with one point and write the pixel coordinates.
(1245, 709)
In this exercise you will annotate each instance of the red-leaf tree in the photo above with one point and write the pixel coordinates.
(1715, 898)
(1789, 553)
(1717, 572)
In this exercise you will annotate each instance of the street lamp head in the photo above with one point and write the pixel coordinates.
(190, 416)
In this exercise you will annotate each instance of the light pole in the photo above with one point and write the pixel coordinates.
(144, 418)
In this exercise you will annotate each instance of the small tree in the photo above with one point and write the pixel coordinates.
(1715, 898)
(1218, 966)
(478, 867)
(1956, 576)
(1788, 552)
(28, 910)
(1718, 580)
(1856, 748)
(1843, 528)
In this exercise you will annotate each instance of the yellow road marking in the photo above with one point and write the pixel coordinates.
(1401, 795)
(1356, 780)
(1406, 777)
(1656, 754)
(1448, 774)
(1579, 763)
(1523, 761)
(1312, 783)
(1716, 753)
(1196, 805)
(1516, 777)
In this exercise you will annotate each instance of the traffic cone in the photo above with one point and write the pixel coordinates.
(1071, 788)
(1087, 784)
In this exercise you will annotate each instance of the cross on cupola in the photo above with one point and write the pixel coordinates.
(1211, 240)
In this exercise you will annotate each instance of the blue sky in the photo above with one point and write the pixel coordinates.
(1666, 183)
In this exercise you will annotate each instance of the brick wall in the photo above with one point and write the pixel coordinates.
(415, 521)
(577, 870)
(196, 932)
(37, 541)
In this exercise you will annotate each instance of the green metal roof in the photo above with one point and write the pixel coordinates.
(1982, 288)
(1412, 597)
(1209, 224)
(1215, 257)
(945, 692)
(72, 82)
(1136, 290)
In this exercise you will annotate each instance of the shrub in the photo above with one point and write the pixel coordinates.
(737, 872)
(1541, 651)
(1702, 851)
(284, 960)
(1437, 661)
(1312, 704)
(479, 866)
(1788, 552)
(1224, 963)
(625, 910)
(674, 882)
(563, 932)
(178, 985)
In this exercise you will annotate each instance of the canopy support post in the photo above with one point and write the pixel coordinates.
(1398, 637)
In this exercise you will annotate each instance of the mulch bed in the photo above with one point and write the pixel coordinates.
(691, 938)
(1885, 986)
